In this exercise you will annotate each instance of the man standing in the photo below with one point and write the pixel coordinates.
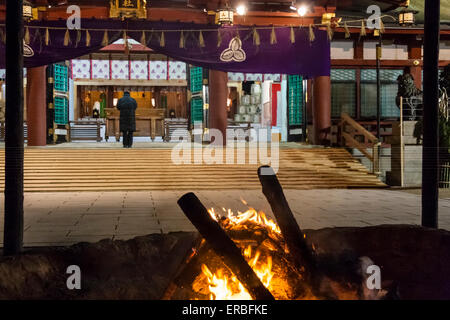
(127, 107)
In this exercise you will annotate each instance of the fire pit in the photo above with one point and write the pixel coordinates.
(241, 256)
(257, 259)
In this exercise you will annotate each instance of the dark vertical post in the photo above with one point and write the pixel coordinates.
(430, 163)
(378, 52)
(13, 231)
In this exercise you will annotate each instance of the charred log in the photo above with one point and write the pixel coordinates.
(295, 240)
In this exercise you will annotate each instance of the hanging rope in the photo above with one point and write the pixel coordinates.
(181, 44)
(312, 36)
(66, 38)
(162, 41)
(219, 38)
(125, 43)
(273, 36)
(362, 33)
(78, 39)
(143, 41)
(256, 39)
(201, 40)
(27, 36)
(88, 39)
(381, 26)
(253, 31)
(203, 30)
(47, 37)
(347, 31)
(105, 40)
(329, 32)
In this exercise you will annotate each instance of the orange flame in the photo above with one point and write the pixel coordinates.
(250, 215)
(223, 287)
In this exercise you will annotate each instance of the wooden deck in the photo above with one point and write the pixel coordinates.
(53, 169)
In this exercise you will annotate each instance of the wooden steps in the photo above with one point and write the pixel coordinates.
(64, 169)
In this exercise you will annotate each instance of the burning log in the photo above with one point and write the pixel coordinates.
(292, 234)
(223, 246)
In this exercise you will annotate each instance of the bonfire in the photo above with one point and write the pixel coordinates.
(249, 256)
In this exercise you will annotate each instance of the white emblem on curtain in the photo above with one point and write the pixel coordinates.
(27, 50)
(234, 51)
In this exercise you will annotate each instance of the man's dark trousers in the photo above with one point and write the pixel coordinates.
(127, 139)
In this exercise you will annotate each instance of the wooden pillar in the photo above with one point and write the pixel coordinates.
(309, 110)
(358, 54)
(36, 106)
(358, 46)
(322, 110)
(415, 52)
(430, 163)
(13, 228)
(218, 95)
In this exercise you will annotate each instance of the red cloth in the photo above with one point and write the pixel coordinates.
(276, 87)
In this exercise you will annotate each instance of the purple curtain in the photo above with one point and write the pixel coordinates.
(231, 49)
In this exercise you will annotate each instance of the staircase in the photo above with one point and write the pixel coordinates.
(64, 169)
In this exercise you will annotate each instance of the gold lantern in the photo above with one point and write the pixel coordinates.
(406, 17)
(224, 17)
(27, 10)
(128, 9)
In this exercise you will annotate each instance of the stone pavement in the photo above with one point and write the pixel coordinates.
(67, 218)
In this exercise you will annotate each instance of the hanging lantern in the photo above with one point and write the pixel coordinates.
(224, 17)
(27, 10)
(327, 17)
(406, 17)
(125, 9)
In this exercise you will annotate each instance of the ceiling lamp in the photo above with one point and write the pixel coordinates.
(302, 10)
(241, 9)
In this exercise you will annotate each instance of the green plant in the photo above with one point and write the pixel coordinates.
(444, 137)
(444, 78)
(444, 123)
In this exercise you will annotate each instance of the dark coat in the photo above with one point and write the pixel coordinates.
(127, 107)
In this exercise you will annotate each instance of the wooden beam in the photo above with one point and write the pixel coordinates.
(131, 83)
(388, 31)
(415, 53)
(358, 47)
(386, 63)
(353, 143)
(196, 15)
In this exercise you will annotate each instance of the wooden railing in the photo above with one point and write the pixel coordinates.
(85, 130)
(2, 131)
(351, 134)
(444, 181)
